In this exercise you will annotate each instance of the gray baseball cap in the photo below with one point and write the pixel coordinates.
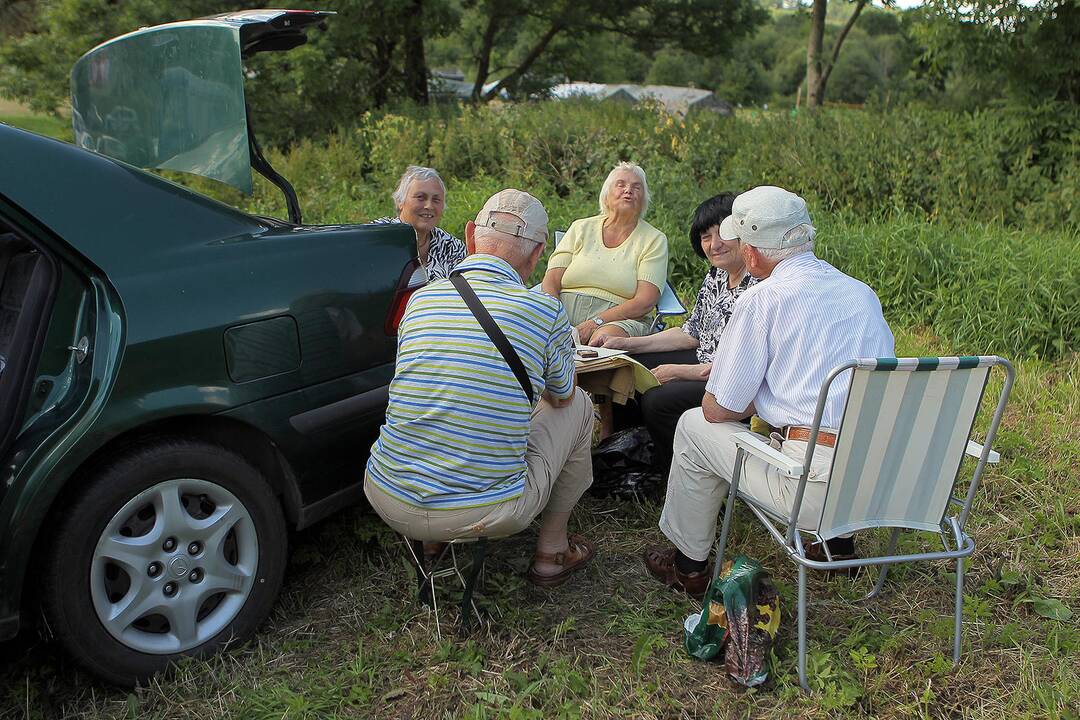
(761, 217)
(533, 219)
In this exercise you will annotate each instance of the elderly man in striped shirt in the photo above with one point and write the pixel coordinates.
(465, 452)
(784, 336)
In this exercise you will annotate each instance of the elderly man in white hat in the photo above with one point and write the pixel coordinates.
(783, 338)
(486, 428)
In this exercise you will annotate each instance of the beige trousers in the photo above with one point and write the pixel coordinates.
(704, 462)
(581, 307)
(559, 460)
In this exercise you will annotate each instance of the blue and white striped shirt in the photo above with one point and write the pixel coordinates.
(787, 333)
(458, 420)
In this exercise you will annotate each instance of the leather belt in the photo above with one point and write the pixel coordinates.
(793, 432)
(798, 432)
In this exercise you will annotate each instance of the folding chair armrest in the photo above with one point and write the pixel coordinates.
(975, 450)
(753, 444)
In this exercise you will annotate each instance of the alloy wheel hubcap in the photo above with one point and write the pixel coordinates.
(174, 566)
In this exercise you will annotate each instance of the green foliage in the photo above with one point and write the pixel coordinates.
(49, 125)
(352, 66)
(1001, 48)
(956, 220)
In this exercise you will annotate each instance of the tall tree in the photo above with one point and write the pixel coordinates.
(1027, 50)
(647, 24)
(818, 69)
(370, 54)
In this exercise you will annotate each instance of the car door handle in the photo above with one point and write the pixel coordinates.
(81, 349)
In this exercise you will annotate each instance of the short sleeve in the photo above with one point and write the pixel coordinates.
(559, 370)
(740, 362)
(569, 246)
(653, 261)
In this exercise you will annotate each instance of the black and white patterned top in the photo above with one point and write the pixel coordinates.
(712, 310)
(444, 252)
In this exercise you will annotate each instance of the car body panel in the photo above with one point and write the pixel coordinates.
(155, 276)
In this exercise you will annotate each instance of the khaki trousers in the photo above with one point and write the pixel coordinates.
(559, 460)
(703, 464)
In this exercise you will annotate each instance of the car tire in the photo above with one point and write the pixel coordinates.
(175, 548)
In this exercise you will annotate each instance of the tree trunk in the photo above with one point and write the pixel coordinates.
(523, 68)
(814, 88)
(416, 72)
(483, 59)
(859, 5)
(384, 68)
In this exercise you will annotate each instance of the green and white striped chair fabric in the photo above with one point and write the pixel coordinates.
(903, 434)
(901, 441)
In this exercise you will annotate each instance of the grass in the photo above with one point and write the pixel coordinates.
(19, 116)
(346, 639)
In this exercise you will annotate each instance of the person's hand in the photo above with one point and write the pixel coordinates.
(667, 373)
(615, 342)
(575, 335)
(585, 330)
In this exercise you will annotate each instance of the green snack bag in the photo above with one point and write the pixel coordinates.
(706, 632)
(741, 610)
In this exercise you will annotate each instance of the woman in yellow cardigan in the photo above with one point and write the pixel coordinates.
(608, 269)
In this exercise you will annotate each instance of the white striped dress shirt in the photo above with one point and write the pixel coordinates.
(786, 334)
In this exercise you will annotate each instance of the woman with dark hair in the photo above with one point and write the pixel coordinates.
(681, 358)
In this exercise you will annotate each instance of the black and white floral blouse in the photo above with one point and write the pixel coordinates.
(444, 252)
(712, 310)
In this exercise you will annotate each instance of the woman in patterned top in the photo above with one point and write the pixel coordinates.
(420, 199)
(681, 358)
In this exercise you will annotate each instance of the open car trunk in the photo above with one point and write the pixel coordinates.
(171, 97)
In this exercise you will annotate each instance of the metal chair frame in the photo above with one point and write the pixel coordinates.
(426, 577)
(669, 305)
(957, 544)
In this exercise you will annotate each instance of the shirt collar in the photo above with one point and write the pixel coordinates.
(793, 265)
(492, 264)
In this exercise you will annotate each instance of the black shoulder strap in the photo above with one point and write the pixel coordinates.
(494, 332)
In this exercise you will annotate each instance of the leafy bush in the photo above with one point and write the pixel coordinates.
(967, 224)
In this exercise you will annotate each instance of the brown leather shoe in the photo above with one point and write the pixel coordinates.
(661, 565)
(815, 551)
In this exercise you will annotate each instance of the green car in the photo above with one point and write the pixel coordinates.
(180, 382)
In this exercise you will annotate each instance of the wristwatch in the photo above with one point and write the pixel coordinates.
(598, 320)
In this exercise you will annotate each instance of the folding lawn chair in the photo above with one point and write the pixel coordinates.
(669, 305)
(904, 432)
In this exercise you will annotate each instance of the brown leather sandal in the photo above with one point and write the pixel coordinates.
(575, 557)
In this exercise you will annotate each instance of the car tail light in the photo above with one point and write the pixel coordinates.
(412, 279)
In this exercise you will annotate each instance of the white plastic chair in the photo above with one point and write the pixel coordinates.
(905, 430)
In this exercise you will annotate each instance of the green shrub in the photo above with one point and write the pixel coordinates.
(965, 223)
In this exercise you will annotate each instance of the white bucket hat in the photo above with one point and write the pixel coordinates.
(762, 217)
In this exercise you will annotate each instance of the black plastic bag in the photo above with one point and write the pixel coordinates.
(623, 466)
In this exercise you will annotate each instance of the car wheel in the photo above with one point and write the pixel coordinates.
(174, 548)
